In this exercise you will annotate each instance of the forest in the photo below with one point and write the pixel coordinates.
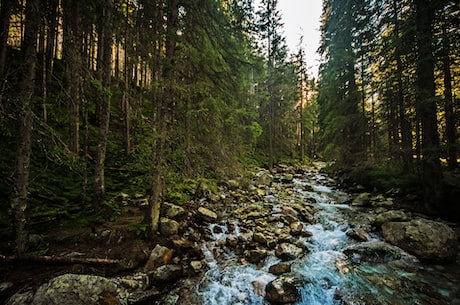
(160, 97)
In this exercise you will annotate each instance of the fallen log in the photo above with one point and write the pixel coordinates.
(62, 260)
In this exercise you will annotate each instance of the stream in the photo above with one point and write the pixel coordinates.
(331, 271)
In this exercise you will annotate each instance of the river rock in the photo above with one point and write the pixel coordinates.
(206, 215)
(391, 216)
(168, 226)
(173, 211)
(157, 257)
(263, 178)
(284, 289)
(287, 251)
(255, 256)
(362, 199)
(77, 289)
(377, 252)
(280, 268)
(165, 274)
(426, 239)
(358, 234)
(296, 228)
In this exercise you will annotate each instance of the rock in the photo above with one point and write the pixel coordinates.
(206, 215)
(255, 256)
(283, 290)
(280, 268)
(263, 178)
(76, 289)
(381, 252)
(173, 211)
(296, 228)
(157, 257)
(197, 266)
(260, 238)
(143, 296)
(232, 241)
(362, 199)
(391, 216)
(286, 251)
(166, 274)
(424, 238)
(168, 226)
(287, 178)
(21, 297)
(358, 234)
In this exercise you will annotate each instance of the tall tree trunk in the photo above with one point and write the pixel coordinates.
(5, 13)
(431, 169)
(24, 142)
(405, 130)
(163, 118)
(449, 103)
(73, 61)
(104, 119)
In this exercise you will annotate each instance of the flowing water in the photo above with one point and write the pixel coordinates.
(330, 276)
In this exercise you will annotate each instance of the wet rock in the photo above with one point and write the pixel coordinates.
(206, 215)
(166, 274)
(168, 226)
(296, 228)
(197, 266)
(280, 268)
(287, 251)
(22, 297)
(284, 289)
(255, 256)
(380, 252)
(391, 216)
(287, 178)
(76, 289)
(157, 257)
(260, 238)
(426, 239)
(358, 234)
(143, 296)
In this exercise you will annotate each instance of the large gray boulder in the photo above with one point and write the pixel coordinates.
(206, 215)
(426, 239)
(287, 251)
(76, 289)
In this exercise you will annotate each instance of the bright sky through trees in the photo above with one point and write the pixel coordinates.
(302, 17)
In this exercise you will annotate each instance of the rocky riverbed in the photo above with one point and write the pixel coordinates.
(286, 237)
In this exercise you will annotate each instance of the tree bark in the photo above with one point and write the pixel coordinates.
(24, 141)
(73, 61)
(104, 119)
(163, 118)
(431, 169)
(5, 13)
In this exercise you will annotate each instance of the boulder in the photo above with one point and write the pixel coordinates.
(287, 251)
(165, 274)
(391, 216)
(362, 199)
(296, 228)
(263, 178)
(426, 239)
(358, 234)
(77, 289)
(377, 252)
(157, 257)
(280, 268)
(173, 211)
(206, 215)
(255, 256)
(168, 226)
(284, 289)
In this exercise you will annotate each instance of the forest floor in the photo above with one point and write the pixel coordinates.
(109, 243)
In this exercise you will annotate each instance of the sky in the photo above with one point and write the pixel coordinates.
(302, 17)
